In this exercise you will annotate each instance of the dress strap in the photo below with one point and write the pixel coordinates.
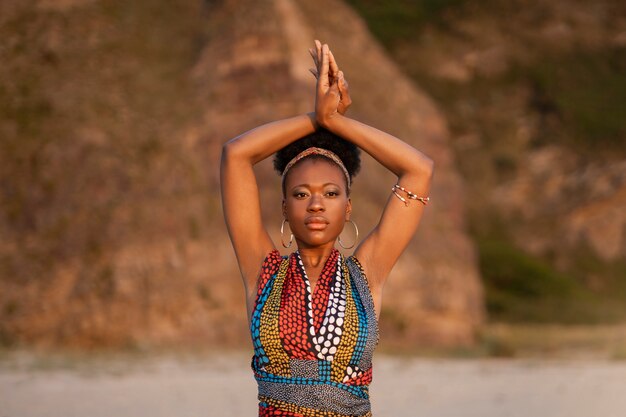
(269, 268)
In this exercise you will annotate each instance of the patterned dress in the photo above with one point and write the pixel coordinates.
(313, 352)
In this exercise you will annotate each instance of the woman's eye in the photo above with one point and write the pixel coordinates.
(333, 193)
(300, 195)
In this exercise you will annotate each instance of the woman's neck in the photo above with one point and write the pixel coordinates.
(314, 257)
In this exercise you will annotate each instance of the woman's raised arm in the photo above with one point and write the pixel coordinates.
(240, 192)
(380, 250)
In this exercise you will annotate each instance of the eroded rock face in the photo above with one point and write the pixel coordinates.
(542, 178)
(144, 258)
(583, 201)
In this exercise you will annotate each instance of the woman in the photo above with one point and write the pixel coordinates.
(314, 314)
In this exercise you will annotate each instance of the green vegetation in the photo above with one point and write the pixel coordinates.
(585, 91)
(84, 92)
(580, 90)
(568, 92)
(395, 20)
(528, 340)
(524, 288)
(552, 340)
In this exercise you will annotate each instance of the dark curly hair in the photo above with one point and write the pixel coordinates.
(348, 152)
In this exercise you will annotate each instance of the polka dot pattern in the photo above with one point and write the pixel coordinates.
(313, 350)
(270, 408)
(270, 331)
(295, 314)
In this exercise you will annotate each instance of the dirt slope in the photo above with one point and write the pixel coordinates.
(114, 114)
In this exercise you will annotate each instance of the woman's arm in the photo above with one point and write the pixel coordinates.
(380, 250)
(240, 193)
(383, 246)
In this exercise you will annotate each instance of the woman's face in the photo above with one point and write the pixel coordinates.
(316, 203)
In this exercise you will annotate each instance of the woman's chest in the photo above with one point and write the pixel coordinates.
(315, 323)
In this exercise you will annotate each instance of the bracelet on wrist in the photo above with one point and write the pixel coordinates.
(409, 194)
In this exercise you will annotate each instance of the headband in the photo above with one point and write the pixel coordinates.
(317, 151)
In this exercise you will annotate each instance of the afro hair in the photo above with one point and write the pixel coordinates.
(349, 153)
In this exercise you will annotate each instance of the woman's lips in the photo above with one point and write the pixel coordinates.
(316, 223)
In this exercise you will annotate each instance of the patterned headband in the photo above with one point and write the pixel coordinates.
(318, 151)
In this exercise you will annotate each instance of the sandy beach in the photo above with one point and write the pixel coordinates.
(222, 385)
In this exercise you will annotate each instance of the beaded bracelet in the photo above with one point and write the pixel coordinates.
(412, 196)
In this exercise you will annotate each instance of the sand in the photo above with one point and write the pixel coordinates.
(222, 385)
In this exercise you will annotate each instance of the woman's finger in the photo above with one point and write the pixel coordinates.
(334, 68)
(323, 73)
(318, 49)
(341, 79)
(313, 55)
(333, 90)
(343, 89)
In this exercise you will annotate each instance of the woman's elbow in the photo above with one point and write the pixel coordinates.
(426, 166)
(431, 166)
(230, 150)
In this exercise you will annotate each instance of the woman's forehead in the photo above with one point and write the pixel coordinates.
(315, 171)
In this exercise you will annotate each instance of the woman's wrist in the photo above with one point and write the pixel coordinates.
(330, 122)
(312, 116)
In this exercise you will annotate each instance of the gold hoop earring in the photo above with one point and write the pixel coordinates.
(282, 226)
(356, 229)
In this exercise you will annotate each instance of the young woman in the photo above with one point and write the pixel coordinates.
(314, 313)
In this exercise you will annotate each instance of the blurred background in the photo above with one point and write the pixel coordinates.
(112, 117)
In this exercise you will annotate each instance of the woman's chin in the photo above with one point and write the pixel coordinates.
(315, 239)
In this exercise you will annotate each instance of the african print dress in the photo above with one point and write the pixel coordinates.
(313, 352)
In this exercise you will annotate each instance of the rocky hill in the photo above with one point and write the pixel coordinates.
(113, 115)
(534, 94)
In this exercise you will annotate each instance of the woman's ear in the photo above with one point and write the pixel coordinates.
(284, 205)
(348, 209)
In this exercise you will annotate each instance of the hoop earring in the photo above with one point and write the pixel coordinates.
(356, 229)
(282, 226)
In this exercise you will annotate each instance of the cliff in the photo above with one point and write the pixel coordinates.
(113, 115)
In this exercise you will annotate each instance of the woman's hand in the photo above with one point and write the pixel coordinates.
(335, 76)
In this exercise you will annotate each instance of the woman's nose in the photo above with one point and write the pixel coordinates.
(315, 203)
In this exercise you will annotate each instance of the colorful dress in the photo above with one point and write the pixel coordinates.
(313, 352)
